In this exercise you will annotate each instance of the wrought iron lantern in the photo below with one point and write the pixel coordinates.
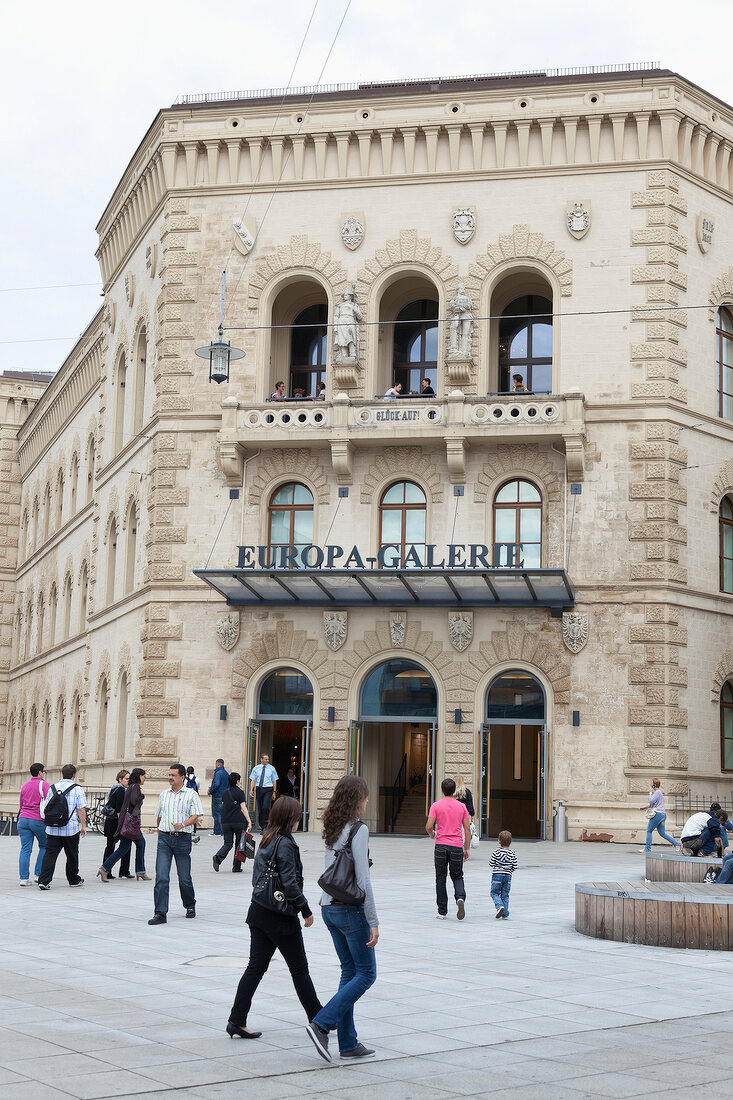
(220, 353)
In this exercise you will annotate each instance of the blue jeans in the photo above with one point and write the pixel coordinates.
(657, 822)
(349, 930)
(707, 843)
(173, 846)
(726, 873)
(500, 887)
(216, 813)
(28, 830)
(123, 849)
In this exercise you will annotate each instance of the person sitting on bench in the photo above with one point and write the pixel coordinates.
(701, 833)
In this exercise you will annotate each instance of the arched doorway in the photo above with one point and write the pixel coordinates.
(513, 792)
(282, 729)
(393, 745)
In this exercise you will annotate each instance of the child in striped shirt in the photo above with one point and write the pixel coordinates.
(502, 863)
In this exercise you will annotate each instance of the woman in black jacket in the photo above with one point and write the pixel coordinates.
(115, 798)
(131, 807)
(234, 820)
(270, 931)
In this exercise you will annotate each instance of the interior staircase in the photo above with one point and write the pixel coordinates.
(412, 817)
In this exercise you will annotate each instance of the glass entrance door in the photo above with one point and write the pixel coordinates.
(354, 749)
(305, 762)
(513, 776)
(430, 786)
(252, 758)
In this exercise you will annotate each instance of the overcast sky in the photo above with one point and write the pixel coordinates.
(81, 82)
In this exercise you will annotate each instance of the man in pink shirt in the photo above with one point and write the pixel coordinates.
(30, 823)
(449, 826)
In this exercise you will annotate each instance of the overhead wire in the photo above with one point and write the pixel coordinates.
(286, 160)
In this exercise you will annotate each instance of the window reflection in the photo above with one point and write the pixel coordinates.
(415, 353)
(399, 689)
(403, 523)
(726, 545)
(308, 351)
(724, 356)
(517, 525)
(525, 345)
(291, 516)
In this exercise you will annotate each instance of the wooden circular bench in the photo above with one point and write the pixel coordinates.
(673, 867)
(658, 914)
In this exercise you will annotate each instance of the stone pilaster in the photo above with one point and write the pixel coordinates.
(9, 530)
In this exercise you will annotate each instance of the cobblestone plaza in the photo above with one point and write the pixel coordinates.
(94, 1004)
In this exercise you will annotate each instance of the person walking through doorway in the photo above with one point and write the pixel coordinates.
(354, 928)
(219, 784)
(64, 837)
(272, 931)
(263, 780)
(448, 826)
(234, 820)
(31, 825)
(178, 808)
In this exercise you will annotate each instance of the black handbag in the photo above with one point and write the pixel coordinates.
(268, 890)
(339, 880)
(246, 849)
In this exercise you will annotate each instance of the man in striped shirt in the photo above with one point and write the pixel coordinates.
(178, 811)
(503, 863)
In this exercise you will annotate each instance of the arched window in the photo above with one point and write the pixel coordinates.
(415, 353)
(517, 525)
(58, 752)
(399, 688)
(141, 356)
(102, 720)
(290, 519)
(39, 628)
(725, 523)
(111, 561)
(24, 532)
(90, 470)
(525, 345)
(11, 743)
(32, 747)
(42, 754)
(67, 608)
(73, 484)
(75, 722)
(122, 711)
(46, 512)
(402, 523)
(285, 691)
(36, 510)
(28, 629)
(20, 744)
(726, 727)
(130, 548)
(53, 600)
(308, 351)
(59, 499)
(724, 358)
(120, 391)
(83, 597)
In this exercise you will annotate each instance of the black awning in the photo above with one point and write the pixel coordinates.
(390, 587)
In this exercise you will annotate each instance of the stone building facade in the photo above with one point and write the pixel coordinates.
(576, 231)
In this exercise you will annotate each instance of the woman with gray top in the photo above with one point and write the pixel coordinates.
(354, 928)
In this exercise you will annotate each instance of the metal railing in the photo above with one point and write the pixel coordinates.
(434, 82)
(399, 790)
(685, 805)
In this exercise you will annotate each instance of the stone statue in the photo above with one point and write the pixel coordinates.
(461, 324)
(347, 316)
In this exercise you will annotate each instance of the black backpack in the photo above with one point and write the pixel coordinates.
(56, 812)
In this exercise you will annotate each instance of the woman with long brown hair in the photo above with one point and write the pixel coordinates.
(354, 928)
(272, 931)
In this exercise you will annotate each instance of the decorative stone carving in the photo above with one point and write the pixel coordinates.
(335, 626)
(352, 233)
(227, 630)
(705, 230)
(110, 315)
(346, 319)
(151, 258)
(461, 324)
(574, 630)
(460, 629)
(464, 225)
(578, 218)
(130, 288)
(243, 240)
(397, 628)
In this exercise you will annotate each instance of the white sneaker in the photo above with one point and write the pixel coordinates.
(26, 882)
(441, 916)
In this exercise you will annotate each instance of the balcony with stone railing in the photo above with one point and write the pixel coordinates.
(457, 421)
